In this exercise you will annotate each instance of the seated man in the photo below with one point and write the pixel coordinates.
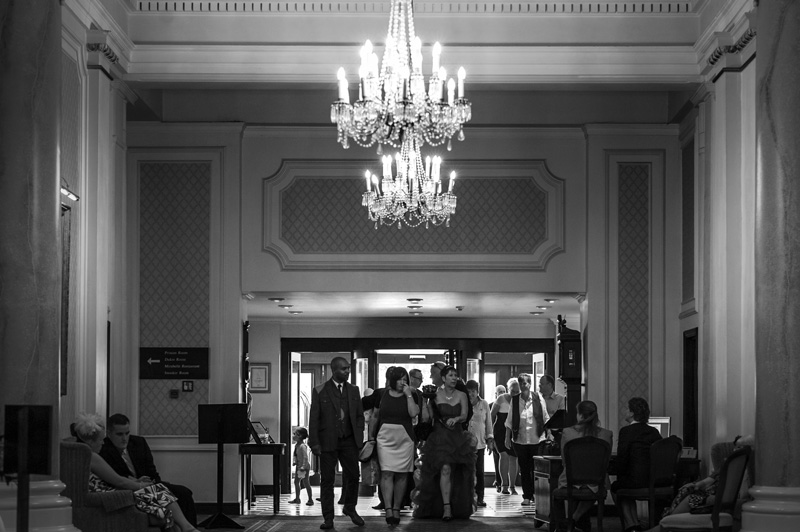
(130, 456)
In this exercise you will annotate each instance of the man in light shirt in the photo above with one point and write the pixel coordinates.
(553, 400)
(480, 425)
(524, 430)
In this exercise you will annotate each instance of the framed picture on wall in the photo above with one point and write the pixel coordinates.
(260, 377)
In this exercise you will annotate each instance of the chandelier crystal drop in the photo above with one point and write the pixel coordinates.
(411, 190)
(395, 109)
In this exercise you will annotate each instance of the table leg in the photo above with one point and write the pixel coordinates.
(276, 482)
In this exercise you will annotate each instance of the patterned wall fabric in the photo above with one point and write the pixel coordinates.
(158, 414)
(71, 135)
(634, 281)
(493, 215)
(174, 282)
(687, 227)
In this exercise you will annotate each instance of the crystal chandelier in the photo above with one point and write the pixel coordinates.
(395, 109)
(413, 194)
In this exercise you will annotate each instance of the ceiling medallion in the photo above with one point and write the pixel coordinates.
(394, 108)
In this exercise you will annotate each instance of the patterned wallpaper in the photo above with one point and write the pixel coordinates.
(71, 111)
(174, 283)
(634, 281)
(510, 216)
(687, 227)
(486, 209)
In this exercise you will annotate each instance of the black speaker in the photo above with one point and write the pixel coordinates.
(223, 423)
(28, 427)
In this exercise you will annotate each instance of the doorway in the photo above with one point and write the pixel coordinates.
(305, 363)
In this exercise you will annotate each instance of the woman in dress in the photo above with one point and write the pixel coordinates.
(151, 498)
(508, 460)
(588, 425)
(447, 480)
(391, 426)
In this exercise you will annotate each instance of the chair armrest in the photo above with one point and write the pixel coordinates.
(111, 501)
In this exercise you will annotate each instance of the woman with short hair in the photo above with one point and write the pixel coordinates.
(391, 426)
(152, 498)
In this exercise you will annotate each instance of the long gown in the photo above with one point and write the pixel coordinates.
(453, 446)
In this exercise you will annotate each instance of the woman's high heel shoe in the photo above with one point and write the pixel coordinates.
(389, 517)
(396, 515)
(448, 513)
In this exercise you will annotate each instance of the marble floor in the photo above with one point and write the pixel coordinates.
(497, 505)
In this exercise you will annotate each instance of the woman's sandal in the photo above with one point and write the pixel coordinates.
(396, 515)
(446, 517)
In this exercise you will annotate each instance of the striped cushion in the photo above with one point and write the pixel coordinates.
(688, 521)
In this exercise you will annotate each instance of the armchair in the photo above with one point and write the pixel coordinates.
(113, 511)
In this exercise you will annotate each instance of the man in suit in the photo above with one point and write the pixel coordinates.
(130, 457)
(633, 460)
(336, 433)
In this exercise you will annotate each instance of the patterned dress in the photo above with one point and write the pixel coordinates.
(152, 500)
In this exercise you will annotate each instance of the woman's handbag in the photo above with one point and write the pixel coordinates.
(367, 450)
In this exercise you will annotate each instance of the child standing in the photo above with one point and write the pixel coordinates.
(302, 465)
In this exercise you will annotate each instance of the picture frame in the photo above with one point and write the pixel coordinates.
(260, 377)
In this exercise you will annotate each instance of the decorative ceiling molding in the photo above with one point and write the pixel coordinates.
(360, 252)
(468, 6)
(219, 64)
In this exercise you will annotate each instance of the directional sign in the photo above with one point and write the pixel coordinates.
(173, 363)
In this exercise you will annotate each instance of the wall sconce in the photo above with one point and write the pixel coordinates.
(68, 193)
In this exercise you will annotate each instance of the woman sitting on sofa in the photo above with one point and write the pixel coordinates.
(153, 499)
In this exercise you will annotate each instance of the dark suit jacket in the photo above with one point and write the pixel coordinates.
(140, 455)
(633, 455)
(325, 411)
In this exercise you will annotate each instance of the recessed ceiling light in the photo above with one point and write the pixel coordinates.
(414, 300)
(541, 307)
(551, 300)
(537, 313)
(285, 306)
(416, 313)
(459, 308)
(414, 307)
(275, 299)
(295, 312)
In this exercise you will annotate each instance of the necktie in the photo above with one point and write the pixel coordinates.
(341, 398)
(126, 457)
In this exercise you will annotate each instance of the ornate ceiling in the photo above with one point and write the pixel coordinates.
(658, 43)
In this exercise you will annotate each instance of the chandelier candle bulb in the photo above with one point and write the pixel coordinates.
(343, 93)
(369, 178)
(462, 74)
(451, 90)
(452, 180)
(437, 51)
(442, 78)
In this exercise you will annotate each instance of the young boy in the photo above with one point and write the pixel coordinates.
(302, 463)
